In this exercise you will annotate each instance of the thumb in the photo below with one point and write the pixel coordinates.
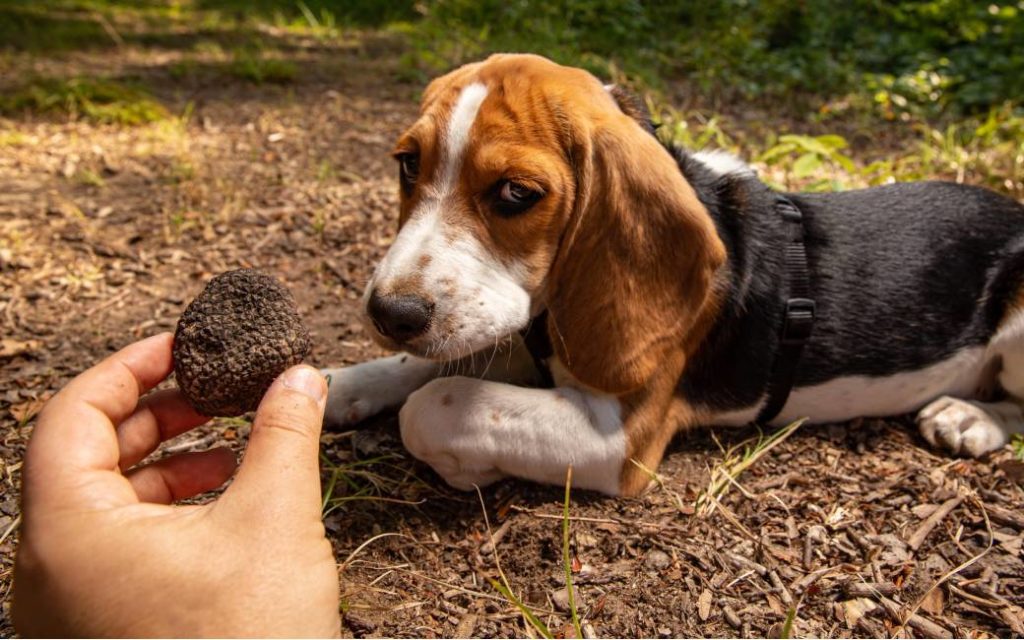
(280, 471)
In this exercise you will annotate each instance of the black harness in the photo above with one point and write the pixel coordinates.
(797, 322)
(799, 314)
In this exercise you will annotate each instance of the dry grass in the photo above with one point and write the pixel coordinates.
(736, 459)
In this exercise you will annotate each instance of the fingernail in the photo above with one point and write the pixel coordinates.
(305, 380)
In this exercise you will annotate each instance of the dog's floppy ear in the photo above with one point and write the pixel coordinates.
(633, 106)
(634, 272)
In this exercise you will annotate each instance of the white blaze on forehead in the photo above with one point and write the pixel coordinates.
(422, 233)
(457, 135)
(478, 297)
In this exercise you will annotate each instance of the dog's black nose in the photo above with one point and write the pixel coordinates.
(400, 318)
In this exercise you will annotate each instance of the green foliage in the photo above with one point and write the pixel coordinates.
(920, 57)
(27, 28)
(364, 13)
(807, 156)
(586, 33)
(1017, 444)
(985, 150)
(950, 73)
(904, 59)
(257, 67)
(95, 99)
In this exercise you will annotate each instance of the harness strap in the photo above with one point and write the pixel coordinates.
(799, 317)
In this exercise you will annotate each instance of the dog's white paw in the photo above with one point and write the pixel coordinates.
(441, 425)
(349, 398)
(363, 390)
(962, 426)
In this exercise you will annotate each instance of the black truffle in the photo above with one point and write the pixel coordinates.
(239, 334)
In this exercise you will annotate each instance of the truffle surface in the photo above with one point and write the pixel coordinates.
(234, 339)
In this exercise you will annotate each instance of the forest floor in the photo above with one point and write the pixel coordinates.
(108, 230)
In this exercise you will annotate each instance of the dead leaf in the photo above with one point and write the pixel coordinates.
(894, 551)
(1014, 470)
(10, 348)
(1011, 542)
(855, 609)
(25, 411)
(775, 604)
(704, 604)
(934, 602)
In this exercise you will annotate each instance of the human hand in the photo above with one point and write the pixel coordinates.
(103, 553)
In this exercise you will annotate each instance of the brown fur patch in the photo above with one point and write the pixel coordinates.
(411, 285)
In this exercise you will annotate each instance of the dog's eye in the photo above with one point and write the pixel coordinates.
(515, 198)
(409, 169)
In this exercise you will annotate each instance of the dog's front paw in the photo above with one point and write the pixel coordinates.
(355, 393)
(350, 399)
(440, 427)
(961, 426)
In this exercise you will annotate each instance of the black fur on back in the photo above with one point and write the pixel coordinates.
(903, 275)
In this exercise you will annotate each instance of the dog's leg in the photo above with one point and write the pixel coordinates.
(969, 427)
(976, 428)
(362, 390)
(474, 432)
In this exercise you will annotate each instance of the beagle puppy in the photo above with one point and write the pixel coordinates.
(532, 195)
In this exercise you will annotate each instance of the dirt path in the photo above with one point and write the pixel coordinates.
(108, 231)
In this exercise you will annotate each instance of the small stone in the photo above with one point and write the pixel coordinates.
(657, 559)
(560, 599)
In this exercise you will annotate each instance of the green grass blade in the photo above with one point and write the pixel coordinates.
(566, 559)
(534, 621)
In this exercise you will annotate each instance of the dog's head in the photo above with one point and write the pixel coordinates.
(526, 186)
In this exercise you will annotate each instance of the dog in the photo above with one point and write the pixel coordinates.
(659, 290)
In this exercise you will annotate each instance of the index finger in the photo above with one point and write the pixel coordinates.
(76, 430)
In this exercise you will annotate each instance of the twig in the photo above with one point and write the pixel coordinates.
(1004, 516)
(10, 529)
(731, 517)
(978, 600)
(454, 587)
(957, 569)
(731, 617)
(919, 535)
(109, 303)
(189, 444)
(552, 516)
(488, 547)
(352, 555)
(869, 589)
(920, 623)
